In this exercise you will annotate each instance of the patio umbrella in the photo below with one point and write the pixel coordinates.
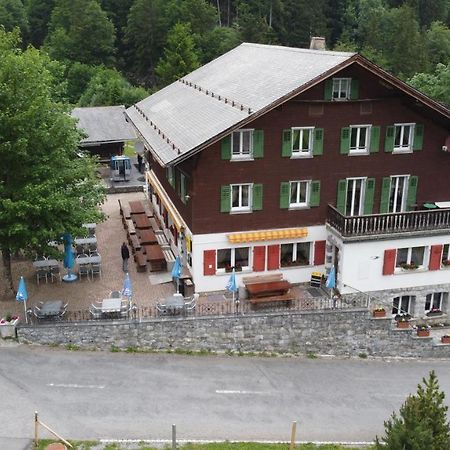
(176, 272)
(127, 289)
(22, 296)
(232, 284)
(331, 280)
(69, 260)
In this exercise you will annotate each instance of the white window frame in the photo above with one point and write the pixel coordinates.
(298, 153)
(360, 150)
(404, 193)
(404, 148)
(233, 259)
(308, 192)
(433, 301)
(409, 256)
(248, 208)
(362, 196)
(400, 310)
(240, 155)
(294, 253)
(339, 90)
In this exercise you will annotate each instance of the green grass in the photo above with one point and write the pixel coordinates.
(129, 149)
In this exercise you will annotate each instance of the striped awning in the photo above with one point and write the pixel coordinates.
(268, 235)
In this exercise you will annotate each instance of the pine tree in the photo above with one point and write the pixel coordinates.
(421, 423)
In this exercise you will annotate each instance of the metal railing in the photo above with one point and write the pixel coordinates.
(376, 224)
(219, 308)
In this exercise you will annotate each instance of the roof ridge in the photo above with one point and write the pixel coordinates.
(299, 50)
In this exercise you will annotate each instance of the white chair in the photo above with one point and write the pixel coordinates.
(41, 274)
(115, 294)
(55, 272)
(84, 269)
(96, 313)
(162, 309)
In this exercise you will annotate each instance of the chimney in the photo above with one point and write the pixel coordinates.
(317, 43)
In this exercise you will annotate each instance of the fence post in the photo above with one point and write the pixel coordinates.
(174, 437)
(293, 433)
(36, 429)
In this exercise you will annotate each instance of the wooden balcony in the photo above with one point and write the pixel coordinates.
(388, 224)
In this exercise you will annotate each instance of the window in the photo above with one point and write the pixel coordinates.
(398, 193)
(228, 258)
(299, 194)
(434, 301)
(295, 254)
(241, 197)
(302, 141)
(446, 255)
(170, 174)
(354, 204)
(410, 258)
(182, 187)
(242, 144)
(341, 88)
(403, 137)
(359, 139)
(402, 305)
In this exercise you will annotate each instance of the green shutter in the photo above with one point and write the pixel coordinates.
(328, 89)
(369, 195)
(286, 149)
(385, 194)
(226, 147)
(285, 195)
(318, 142)
(412, 193)
(354, 92)
(345, 140)
(257, 197)
(374, 139)
(258, 144)
(418, 137)
(314, 197)
(389, 140)
(341, 196)
(225, 198)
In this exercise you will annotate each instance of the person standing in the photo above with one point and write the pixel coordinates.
(139, 160)
(125, 256)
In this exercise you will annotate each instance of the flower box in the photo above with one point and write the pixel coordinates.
(434, 313)
(423, 333)
(379, 313)
(445, 339)
(8, 327)
(403, 324)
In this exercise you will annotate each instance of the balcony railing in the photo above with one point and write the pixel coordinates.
(377, 224)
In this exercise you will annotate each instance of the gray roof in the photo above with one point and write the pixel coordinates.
(184, 116)
(103, 124)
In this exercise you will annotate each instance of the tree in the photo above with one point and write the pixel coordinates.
(12, 14)
(38, 12)
(217, 42)
(180, 55)
(109, 87)
(421, 423)
(438, 43)
(45, 188)
(80, 31)
(436, 84)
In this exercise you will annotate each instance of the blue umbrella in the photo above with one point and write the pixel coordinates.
(176, 272)
(331, 280)
(232, 284)
(127, 289)
(22, 296)
(69, 260)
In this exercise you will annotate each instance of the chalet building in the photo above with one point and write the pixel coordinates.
(292, 160)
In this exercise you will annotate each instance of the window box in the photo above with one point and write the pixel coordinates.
(410, 266)
(8, 327)
(403, 324)
(379, 312)
(435, 312)
(423, 331)
(445, 339)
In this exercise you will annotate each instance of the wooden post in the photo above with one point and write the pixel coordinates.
(293, 433)
(174, 437)
(36, 428)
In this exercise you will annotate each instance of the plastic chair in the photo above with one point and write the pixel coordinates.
(55, 272)
(96, 269)
(41, 274)
(162, 309)
(115, 294)
(84, 269)
(95, 312)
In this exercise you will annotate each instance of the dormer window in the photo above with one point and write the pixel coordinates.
(341, 89)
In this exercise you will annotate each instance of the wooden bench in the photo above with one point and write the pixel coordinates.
(124, 210)
(134, 243)
(141, 261)
(161, 238)
(268, 289)
(130, 227)
(285, 298)
(148, 210)
(169, 256)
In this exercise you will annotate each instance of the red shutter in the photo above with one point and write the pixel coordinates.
(389, 261)
(209, 262)
(273, 257)
(259, 258)
(435, 257)
(319, 253)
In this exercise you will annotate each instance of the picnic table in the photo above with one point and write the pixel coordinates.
(136, 207)
(155, 257)
(141, 221)
(267, 289)
(147, 237)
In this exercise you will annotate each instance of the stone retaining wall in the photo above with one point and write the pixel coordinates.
(340, 333)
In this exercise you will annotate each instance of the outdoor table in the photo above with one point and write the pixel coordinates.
(87, 240)
(42, 263)
(111, 305)
(141, 221)
(137, 207)
(268, 289)
(146, 237)
(155, 257)
(175, 304)
(51, 308)
(89, 260)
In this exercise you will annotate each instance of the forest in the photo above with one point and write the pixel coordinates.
(106, 52)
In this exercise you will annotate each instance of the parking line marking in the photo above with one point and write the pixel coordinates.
(239, 392)
(77, 386)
